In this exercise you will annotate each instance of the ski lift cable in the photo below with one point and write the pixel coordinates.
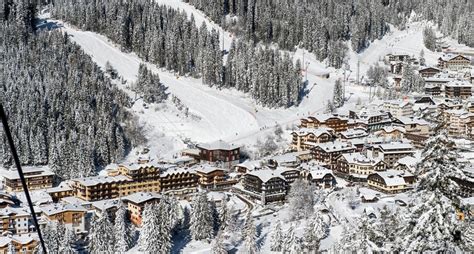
(3, 117)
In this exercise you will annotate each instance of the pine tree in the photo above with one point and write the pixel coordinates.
(432, 224)
(289, 241)
(122, 230)
(218, 246)
(329, 107)
(223, 215)
(101, 236)
(429, 38)
(277, 238)
(358, 238)
(202, 221)
(67, 243)
(422, 58)
(338, 95)
(155, 234)
(301, 200)
(52, 236)
(250, 236)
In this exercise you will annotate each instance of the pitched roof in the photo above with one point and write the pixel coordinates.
(320, 173)
(141, 197)
(266, 174)
(53, 209)
(218, 145)
(393, 177)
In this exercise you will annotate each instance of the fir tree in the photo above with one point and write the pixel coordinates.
(250, 236)
(123, 232)
(68, 242)
(338, 95)
(202, 221)
(277, 238)
(301, 200)
(218, 246)
(101, 235)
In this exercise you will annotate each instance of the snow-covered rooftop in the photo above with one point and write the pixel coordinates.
(28, 171)
(53, 209)
(94, 180)
(393, 177)
(206, 168)
(22, 239)
(335, 146)
(315, 131)
(459, 83)
(320, 173)
(141, 197)
(218, 145)
(266, 174)
(361, 158)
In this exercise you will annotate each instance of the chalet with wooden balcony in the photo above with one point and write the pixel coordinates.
(303, 138)
(427, 72)
(334, 122)
(329, 152)
(390, 153)
(358, 166)
(24, 244)
(391, 181)
(266, 185)
(454, 62)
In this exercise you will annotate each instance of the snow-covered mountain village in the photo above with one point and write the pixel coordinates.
(237, 126)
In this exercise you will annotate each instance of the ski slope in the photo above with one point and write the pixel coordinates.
(229, 114)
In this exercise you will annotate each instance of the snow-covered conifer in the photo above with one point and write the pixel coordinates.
(202, 221)
(277, 238)
(301, 199)
(101, 235)
(122, 230)
(250, 235)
